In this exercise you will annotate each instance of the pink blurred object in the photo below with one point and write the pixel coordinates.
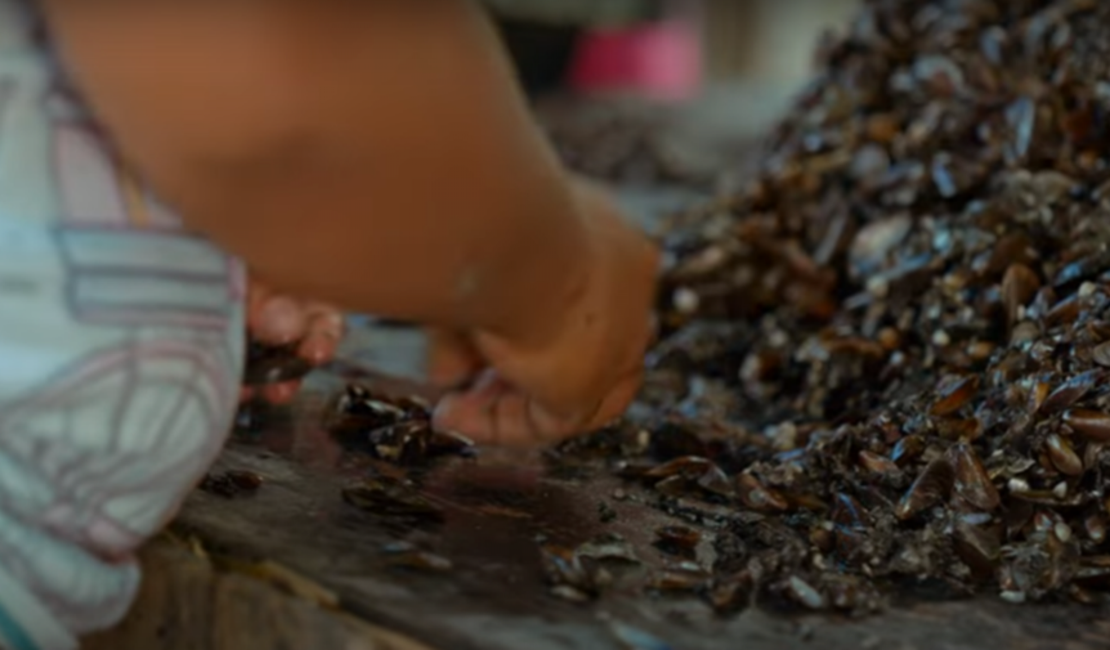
(662, 61)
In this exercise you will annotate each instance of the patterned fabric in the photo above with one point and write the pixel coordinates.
(121, 344)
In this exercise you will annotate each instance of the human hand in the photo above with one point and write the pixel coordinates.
(570, 376)
(276, 319)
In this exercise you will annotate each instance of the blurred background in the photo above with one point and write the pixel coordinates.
(664, 98)
(727, 65)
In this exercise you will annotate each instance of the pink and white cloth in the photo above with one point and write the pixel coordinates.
(660, 60)
(121, 345)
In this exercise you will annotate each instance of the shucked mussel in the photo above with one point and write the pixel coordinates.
(685, 476)
(397, 430)
(269, 364)
(392, 497)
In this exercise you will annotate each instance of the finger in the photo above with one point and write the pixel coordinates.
(452, 360)
(512, 419)
(471, 413)
(552, 426)
(280, 394)
(278, 320)
(512, 423)
(318, 348)
(325, 327)
(523, 421)
(257, 295)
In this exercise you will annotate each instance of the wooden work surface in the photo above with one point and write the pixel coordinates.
(202, 589)
(199, 593)
(495, 597)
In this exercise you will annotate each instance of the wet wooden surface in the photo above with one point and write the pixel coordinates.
(495, 597)
(199, 591)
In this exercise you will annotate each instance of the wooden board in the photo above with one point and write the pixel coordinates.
(202, 588)
(495, 597)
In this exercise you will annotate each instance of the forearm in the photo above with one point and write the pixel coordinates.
(375, 155)
(421, 240)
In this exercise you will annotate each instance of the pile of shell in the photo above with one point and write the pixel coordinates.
(893, 344)
(884, 364)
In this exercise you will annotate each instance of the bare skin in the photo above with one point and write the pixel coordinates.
(278, 319)
(378, 157)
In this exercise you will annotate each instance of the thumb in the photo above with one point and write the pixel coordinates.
(494, 412)
(559, 386)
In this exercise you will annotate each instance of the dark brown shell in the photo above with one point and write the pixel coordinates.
(932, 486)
(679, 540)
(756, 496)
(1062, 455)
(876, 464)
(972, 482)
(1019, 285)
(1100, 354)
(954, 393)
(1094, 425)
(1071, 391)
